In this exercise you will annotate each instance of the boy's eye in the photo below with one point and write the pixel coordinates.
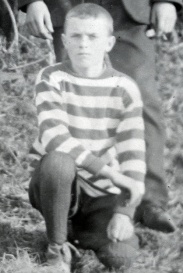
(75, 35)
(92, 36)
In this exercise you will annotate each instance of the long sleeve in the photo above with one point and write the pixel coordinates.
(53, 122)
(87, 119)
(130, 143)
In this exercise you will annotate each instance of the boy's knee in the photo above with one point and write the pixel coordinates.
(120, 254)
(58, 166)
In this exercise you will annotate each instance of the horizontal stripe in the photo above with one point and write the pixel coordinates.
(92, 101)
(49, 134)
(127, 99)
(47, 106)
(52, 114)
(78, 122)
(47, 71)
(129, 155)
(92, 134)
(131, 145)
(56, 77)
(80, 159)
(133, 165)
(136, 175)
(97, 145)
(80, 111)
(133, 106)
(54, 143)
(87, 101)
(131, 87)
(131, 134)
(75, 132)
(48, 96)
(131, 124)
(96, 112)
(91, 123)
(45, 85)
(135, 112)
(60, 76)
(76, 152)
(38, 147)
(97, 91)
(48, 124)
(91, 191)
(67, 145)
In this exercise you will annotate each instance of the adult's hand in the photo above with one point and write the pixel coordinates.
(38, 20)
(163, 18)
(120, 228)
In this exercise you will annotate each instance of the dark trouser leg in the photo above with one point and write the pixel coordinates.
(50, 193)
(90, 225)
(133, 54)
(60, 52)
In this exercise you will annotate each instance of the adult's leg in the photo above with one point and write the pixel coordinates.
(90, 229)
(134, 54)
(59, 50)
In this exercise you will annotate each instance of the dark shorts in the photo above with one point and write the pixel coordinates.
(88, 221)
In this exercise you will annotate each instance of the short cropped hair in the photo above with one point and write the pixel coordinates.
(89, 10)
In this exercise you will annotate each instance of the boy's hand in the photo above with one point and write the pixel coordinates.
(163, 18)
(120, 228)
(38, 20)
(119, 180)
(136, 189)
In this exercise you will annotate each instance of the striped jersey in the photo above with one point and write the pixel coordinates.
(97, 121)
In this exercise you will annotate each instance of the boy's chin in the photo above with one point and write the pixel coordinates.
(88, 64)
(85, 65)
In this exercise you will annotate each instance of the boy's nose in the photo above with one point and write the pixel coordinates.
(84, 42)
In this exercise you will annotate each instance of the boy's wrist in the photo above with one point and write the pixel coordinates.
(107, 172)
(122, 215)
(123, 207)
(128, 211)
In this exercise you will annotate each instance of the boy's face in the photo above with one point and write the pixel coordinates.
(87, 41)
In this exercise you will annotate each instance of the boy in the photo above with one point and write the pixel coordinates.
(91, 140)
(131, 20)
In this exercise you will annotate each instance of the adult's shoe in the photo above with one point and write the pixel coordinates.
(155, 217)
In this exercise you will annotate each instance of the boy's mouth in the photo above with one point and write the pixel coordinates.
(84, 54)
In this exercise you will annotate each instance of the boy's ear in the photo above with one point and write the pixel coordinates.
(111, 43)
(64, 40)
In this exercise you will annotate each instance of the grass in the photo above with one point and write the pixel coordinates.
(22, 231)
